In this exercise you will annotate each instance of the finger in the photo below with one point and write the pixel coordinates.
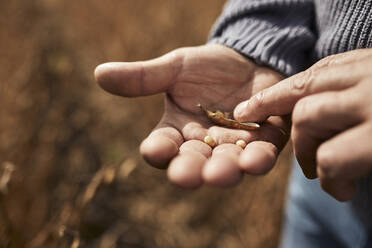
(161, 146)
(185, 170)
(344, 159)
(281, 98)
(143, 78)
(231, 150)
(258, 157)
(196, 146)
(317, 118)
(193, 130)
(222, 169)
(224, 135)
(348, 57)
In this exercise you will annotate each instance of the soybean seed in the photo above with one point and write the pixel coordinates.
(210, 141)
(241, 143)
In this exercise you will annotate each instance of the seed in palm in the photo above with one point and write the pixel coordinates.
(241, 143)
(210, 141)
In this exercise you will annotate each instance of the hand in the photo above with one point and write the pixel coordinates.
(332, 118)
(218, 78)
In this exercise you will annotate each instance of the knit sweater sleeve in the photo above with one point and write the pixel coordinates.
(275, 33)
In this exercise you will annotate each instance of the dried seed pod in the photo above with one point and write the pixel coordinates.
(210, 141)
(223, 119)
(241, 143)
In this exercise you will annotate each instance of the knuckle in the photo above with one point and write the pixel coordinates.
(300, 115)
(178, 53)
(310, 110)
(177, 58)
(319, 109)
(256, 104)
(295, 138)
(327, 165)
(301, 83)
(258, 100)
(327, 61)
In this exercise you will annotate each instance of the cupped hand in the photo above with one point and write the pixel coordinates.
(217, 77)
(332, 118)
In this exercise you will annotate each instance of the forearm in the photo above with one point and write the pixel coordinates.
(275, 33)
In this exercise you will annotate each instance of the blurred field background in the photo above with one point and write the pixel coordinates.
(70, 172)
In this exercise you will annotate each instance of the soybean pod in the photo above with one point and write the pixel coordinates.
(223, 119)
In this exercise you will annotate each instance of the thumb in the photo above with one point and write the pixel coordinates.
(141, 78)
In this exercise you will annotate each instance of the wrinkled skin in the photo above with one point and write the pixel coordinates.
(332, 118)
(218, 78)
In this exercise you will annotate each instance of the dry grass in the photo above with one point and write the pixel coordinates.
(70, 150)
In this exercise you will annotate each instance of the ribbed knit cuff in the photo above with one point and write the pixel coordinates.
(272, 33)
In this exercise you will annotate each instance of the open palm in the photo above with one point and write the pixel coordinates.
(217, 77)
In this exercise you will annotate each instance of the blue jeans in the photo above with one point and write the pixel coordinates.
(314, 219)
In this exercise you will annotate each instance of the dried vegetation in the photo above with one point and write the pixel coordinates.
(70, 173)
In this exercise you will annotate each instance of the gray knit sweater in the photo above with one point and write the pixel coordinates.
(290, 35)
